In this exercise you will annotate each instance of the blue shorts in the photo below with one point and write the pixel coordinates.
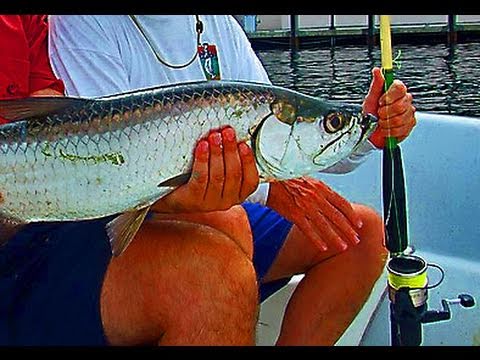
(269, 231)
(51, 277)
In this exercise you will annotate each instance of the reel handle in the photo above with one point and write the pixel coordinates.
(464, 300)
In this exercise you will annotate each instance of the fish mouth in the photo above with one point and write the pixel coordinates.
(368, 119)
(368, 124)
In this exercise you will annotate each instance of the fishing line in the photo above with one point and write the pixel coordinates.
(393, 198)
(396, 61)
(392, 178)
(393, 214)
(442, 275)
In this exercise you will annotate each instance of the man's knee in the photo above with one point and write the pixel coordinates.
(176, 276)
(240, 230)
(372, 240)
(232, 222)
(372, 222)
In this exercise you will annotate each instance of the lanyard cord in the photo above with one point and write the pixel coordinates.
(198, 29)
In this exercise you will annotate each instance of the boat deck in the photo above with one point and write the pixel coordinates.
(442, 164)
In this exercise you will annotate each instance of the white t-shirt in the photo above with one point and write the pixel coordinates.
(98, 55)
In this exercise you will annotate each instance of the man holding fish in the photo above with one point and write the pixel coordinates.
(190, 275)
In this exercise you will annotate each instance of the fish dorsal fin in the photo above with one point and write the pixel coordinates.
(20, 109)
(123, 228)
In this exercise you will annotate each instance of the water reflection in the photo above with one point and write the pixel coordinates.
(442, 78)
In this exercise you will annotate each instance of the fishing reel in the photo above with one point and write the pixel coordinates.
(408, 293)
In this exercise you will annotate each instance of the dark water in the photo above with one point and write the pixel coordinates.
(442, 78)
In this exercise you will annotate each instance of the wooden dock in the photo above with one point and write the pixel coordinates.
(450, 32)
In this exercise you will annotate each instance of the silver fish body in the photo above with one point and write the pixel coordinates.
(67, 159)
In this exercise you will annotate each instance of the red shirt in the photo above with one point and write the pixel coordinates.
(24, 62)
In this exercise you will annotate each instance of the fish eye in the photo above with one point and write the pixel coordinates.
(334, 122)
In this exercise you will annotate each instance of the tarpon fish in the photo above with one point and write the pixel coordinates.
(69, 158)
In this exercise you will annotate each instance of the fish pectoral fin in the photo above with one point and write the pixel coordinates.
(20, 109)
(176, 180)
(123, 228)
(8, 228)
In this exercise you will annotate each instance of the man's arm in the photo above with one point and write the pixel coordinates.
(42, 81)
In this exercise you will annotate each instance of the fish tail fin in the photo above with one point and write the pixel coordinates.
(123, 228)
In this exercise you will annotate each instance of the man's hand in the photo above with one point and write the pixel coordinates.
(224, 174)
(325, 217)
(393, 108)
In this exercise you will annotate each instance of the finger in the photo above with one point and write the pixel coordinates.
(397, 108)
(399, 132)
(344, 245)
(306, 228)
(375, 91)
(187, 197)
(321, 225)
(233, 167)
(342, 224)
(333, 234)
(406, 113)
(216, 173)
(408, 129)
(343, 205)
(405, 119)
(323, 217)
(396, 122)
(304, 206)
(396, 91)
(335, 207)
(250, 178)
(199, 177)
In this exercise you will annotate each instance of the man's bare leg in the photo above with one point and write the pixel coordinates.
(335, 286)
(184, 282)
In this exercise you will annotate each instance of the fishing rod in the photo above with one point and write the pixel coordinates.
(407, 274)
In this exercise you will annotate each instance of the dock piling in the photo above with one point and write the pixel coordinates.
(452, 29)
(294, 41)
(371, 30)
(332, 29)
